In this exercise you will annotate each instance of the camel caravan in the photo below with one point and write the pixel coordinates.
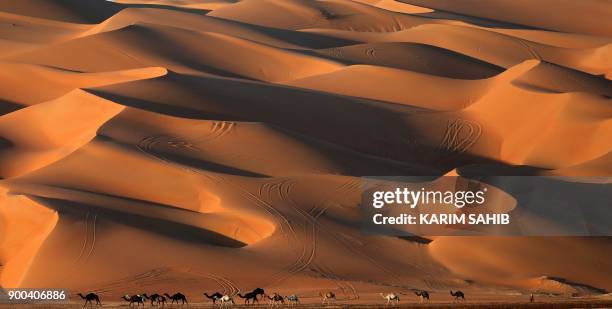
(250, 298)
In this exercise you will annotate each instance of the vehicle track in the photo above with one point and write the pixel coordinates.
(221, 128)
(309, 247)
(306, 253)
(93, 237)
(147, 146)
(347, 188)
(460, 135)
(530, 50)
(85, 241)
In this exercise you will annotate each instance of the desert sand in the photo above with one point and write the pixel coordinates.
(218, 145)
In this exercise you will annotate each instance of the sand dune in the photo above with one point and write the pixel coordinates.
(47, 83)
(182, 145)
(116, 51)
(73, 11)
(587, 17)
(39, 135)
(395, 86)
(300, 14)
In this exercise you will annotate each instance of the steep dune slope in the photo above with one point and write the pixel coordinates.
(565, 16)
(197, 22)
(74, 11)
(145, 45)
(39, 135)
(300, 14)
(47, 83)
(407, 87)
(25, 225)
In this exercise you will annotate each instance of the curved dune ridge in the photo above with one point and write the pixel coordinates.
(218, 145)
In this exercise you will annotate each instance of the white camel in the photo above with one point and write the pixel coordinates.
(327, 297)
(391, 297)
(226, 300)
(293, 299)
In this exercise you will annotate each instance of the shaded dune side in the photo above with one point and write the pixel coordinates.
(35, 31)
(240, 148)
(330, 112)
(495, 48)
(546, 256)
(300, 14)
(408, 87)
(74, 11)
(47, 83)
(149, 45)
(415, 57)
(588, 16)
(276, 37)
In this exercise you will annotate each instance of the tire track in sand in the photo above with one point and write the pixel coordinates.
(148, 144)
(309, 246)
(460, 135)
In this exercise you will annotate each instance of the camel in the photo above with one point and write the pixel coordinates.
(176, 298)
(250, 296)
(258, 291)
(391, 297)
(215, 297)
(158, 299)
(275, 299)
(457, 295)
(138, 299)
(423, 295)
(162, 300)
(293, 299)
(226, 300)
(89, 298)
(327, 297)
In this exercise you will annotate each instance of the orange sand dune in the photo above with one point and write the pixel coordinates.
(408, 87)
(300, 14)
(218, 145)
(588, 16)
(492, 47)
(117, 51)
(39, 135)
(73, 11)
(197, 22)
(47, 83)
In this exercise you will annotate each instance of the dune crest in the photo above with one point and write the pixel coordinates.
(44, 133)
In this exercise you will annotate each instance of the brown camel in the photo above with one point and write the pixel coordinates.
(275, 299)
(423, 295)
(259, 291)
(89, 298)
(157, 299)
(176, 298)
(215, 297)
(250, 296)
(457, 295)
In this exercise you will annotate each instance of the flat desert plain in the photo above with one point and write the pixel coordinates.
(163, 146)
